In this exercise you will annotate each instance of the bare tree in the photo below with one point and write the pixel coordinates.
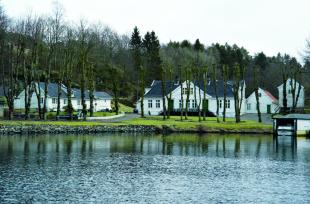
(214, 80)
(225, 78)
(205, 81)
(55, 30)
(163, 90)
(256, 80)
(85, 45)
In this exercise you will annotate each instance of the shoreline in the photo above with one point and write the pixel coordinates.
(121, 128)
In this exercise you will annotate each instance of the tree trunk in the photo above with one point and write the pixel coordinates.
(58, 97)
(256, 94)
(69, 96)
(142, 81)
(45, 98)
(38, 94)
(225, 73)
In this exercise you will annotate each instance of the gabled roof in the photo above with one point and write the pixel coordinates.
(156, 88)
(288, 81)
(220, 88)
(102, 95)
(273, 99)
(97, 94)
(53, 90)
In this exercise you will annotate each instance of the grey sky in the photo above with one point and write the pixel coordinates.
(271, 26)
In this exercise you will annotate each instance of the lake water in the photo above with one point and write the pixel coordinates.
(154, 169)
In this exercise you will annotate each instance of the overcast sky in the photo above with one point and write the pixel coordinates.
(270, 26)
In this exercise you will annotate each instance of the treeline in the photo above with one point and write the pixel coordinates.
(49, 49)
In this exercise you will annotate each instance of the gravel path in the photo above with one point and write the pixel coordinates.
(128, 116)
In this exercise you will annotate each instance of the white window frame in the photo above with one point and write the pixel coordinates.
(157, 103)
(54, 100)
(227, 104)
(248, 106)
(150, 103)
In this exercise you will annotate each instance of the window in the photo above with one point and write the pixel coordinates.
(191, 91)
(259, 94)
(220, 102)
(289, 91)
(41, 100)
(157, 103)
(227, 104)
(180, 104)
(150, 104)
(79, 102)
(248, 106)
(189, 103)
(65, 101)
(194, 105)
(54, 100)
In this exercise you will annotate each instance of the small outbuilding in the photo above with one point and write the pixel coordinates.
(292, 124)
(267, 102)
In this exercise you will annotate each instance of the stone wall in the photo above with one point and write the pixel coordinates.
(59, 129)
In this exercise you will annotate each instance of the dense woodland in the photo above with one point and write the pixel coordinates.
(92, 57)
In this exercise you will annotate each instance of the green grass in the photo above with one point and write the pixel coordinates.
(103, 114)
(174, 122)
(193, 123)
(126, 109)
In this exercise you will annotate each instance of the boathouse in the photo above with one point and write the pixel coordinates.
(292, 124)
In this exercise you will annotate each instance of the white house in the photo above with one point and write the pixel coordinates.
(267, 102)
(102, 100)
(19, 102)
(153, 101)
(290, 84)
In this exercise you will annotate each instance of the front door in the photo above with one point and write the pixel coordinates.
(268, 109)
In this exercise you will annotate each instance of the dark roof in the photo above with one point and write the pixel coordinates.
(294, 116)
(53, 90)
(102, 94)
(156, 88)
(220, 88)
(97, 94)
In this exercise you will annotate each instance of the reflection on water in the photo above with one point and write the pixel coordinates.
(140, 168)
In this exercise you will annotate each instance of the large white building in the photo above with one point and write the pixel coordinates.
(267, 102)
(153, 101)
(102, 100)
(290, 83)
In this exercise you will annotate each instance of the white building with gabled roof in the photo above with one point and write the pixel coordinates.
(267, 102)
(153, 101)
(290, 83)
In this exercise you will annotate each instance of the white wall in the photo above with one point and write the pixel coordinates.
(264, 100)
(102, 104)
(289, 96)
(19, 102)
(176, 97)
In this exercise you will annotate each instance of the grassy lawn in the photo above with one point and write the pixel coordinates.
(193, 123)
(174, 122)
(126, 109)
